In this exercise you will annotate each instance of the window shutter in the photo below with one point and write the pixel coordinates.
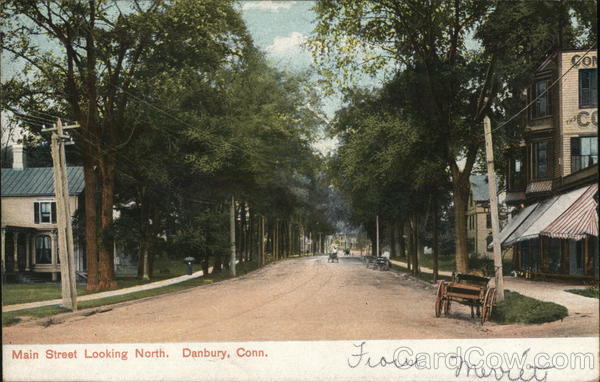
(53, 206)
(36, 213)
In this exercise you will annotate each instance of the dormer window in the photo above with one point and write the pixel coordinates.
(541, 107)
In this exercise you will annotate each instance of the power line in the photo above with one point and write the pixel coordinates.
(547, 89)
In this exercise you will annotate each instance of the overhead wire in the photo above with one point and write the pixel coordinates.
(574, 64)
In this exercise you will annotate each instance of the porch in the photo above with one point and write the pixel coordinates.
(29, 250)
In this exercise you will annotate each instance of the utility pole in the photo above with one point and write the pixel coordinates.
(232, 234)
(489, 154)
(66, 249)
(377, 236)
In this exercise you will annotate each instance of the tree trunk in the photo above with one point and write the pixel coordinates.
(460, 196)
(91, 240)
(289, 252)
(204, 263)
(261, 242)
(435, 243)
(410, 246)
(401, 242)
(416, 244)
(393, 241)
(106, 259)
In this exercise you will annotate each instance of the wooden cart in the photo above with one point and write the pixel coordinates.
(468, 290)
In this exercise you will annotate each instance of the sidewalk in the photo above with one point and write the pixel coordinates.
(541, 290)
(117, 292)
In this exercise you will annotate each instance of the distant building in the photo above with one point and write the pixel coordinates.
(479, 222)
(553, 174)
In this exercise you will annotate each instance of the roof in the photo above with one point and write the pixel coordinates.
(560, 205)
(38, 181)
(480, 188)
(536, 213)
(515, 223)
(579, 220)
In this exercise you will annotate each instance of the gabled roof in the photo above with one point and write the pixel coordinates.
(38, 181)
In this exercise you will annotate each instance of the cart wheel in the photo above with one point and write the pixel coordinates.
(488, 303)
(447, 306)
(439, 298)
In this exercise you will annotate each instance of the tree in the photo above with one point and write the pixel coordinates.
(449, 87)
(86, 60)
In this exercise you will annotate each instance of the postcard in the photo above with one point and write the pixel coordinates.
(350, 190)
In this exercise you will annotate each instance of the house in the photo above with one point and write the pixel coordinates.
(553, 173)
(479, 219)
(28, 223)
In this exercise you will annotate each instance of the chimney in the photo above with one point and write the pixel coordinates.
(17, 152)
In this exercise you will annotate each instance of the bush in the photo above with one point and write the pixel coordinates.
(593, 292)
(477, 262)
(527, 310)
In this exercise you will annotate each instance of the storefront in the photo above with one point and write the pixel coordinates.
(557, 237)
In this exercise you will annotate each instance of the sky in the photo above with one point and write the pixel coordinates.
(279, 28)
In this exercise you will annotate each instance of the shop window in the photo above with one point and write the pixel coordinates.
(44, 212)
(554, 256)
(584, 152)
(576, 257)
(541, 159)
(541, 107)
(534, 255)
(588, 88)
(43, 250)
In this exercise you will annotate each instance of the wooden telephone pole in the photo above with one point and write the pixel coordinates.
(489, 154)
(66, 248)
(377, 235)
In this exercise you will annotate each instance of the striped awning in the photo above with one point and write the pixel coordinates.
(579, 220)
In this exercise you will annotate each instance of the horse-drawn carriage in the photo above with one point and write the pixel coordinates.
(466, 289)
(377, 262)
(333, 257)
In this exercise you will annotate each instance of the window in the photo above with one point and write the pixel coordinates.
(588, 88)
(541, 108)
(541, 160)
(488, 220)
(43, 250)
(584, 152)
(44, 212)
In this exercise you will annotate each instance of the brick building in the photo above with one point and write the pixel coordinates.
(553, 174)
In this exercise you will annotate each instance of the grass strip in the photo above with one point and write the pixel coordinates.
(593, 292)
(526, 310)
(11, 318)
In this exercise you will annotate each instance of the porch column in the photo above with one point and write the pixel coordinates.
(586, 256)
(3, 249)
(16, 251)
(54, 239)
(27, 250)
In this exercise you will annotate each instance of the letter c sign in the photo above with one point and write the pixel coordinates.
(583, 118)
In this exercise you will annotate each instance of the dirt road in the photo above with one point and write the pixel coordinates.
(295, 299)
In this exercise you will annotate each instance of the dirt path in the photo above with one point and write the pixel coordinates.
(296, 299)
